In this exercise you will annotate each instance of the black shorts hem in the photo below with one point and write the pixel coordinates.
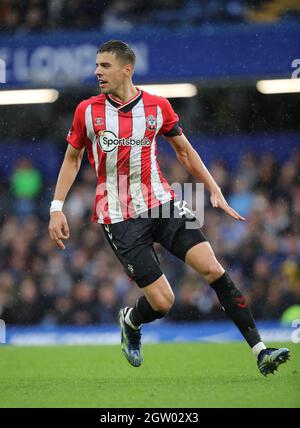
(147, 280)
(185, 239)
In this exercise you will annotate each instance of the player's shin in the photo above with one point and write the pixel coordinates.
(236, 308)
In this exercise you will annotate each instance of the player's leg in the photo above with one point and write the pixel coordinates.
(202, 258)
(191, 246)
(157, 301)
(139, 259)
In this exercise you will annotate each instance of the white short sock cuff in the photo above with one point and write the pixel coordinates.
(128, 320)
(260, 346)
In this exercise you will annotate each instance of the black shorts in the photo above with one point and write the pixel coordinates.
(132, 241)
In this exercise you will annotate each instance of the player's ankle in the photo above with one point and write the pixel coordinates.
(256, 349)
(129, 322)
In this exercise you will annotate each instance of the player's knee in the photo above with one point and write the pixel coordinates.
(163, 304)
(213, 271)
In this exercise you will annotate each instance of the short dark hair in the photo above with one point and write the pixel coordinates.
(122, 51)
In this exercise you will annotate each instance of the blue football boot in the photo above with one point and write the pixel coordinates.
(130, 340)
(269, 359)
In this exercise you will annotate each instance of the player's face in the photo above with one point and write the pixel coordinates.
(111, 73)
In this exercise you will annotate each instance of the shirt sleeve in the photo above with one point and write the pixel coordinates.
(77, 134)
(170, 127)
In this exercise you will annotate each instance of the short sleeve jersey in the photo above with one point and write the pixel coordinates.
(120, 140)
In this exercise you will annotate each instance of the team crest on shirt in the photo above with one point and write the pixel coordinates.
(99, 121)
(151, 122)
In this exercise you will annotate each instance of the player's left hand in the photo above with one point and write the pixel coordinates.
(218, 201)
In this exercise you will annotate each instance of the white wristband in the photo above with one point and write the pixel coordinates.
(56, 206)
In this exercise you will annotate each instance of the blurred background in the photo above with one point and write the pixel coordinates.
(240, 110)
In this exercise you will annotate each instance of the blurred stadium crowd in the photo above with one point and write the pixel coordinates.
(41, 15)
(87, 285)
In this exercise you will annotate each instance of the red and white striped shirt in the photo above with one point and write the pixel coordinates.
(120, 140)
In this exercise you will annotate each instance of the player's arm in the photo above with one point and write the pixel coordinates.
(58, 226)
(192, 162)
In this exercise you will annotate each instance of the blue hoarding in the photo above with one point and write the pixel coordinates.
(68, 58)
(214, 332)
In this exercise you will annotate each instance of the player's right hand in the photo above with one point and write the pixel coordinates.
(58, 228)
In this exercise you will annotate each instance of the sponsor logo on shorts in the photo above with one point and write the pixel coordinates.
(130, 268)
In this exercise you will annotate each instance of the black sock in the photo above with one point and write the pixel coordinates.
(143, 312)
(236, 308)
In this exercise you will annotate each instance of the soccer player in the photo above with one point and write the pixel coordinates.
(118, 130)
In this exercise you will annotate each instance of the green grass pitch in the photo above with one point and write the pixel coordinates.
(172, 375)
